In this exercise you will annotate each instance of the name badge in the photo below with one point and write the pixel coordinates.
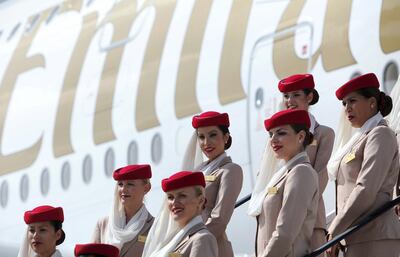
(314, 142)
(174, 254)
(272, 190)
(349, 157)
(210, 178)
(142, 239)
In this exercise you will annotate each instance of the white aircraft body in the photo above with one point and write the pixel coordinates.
(87, 86)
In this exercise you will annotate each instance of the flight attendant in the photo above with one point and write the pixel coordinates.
(129, 221)
(179, 230)
(95, 250)
(298, 94)
(44, 232)
(223, 177)
(366, 170)
(287, 207)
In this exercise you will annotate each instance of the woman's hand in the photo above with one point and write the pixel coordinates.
(334, 250)
(397, 210)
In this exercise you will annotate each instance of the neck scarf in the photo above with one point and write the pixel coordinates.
(334, 162)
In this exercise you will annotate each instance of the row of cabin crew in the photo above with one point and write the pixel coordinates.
(287, 199)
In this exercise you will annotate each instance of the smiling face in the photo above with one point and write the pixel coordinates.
(132, 192)
(185, 203)
(212, 141)
(285, 142)
(42, 237)
(297, 100)
(358, 108)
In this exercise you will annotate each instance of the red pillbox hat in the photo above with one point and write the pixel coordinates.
(296, 82)
(132, 172)
(364, 81)
(183, 179)
(44, 213)
(96, 249)
(210, 119)
(288, 117)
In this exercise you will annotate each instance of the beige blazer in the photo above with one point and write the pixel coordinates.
(198, 242)
(133, 248)
(365, 181)
(319, 152)
(288, 215)
(223, 186)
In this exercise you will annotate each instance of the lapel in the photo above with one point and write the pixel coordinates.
(381, 123)
(303, 159)
(223, 162)
(192, 231)
(128, 245)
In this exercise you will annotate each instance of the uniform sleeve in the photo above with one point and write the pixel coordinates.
(323, 154)
(228, 192)
(204, 246)
(379, 152)
(96, 237)
(300, 189)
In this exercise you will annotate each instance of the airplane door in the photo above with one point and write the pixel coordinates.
(264, 98)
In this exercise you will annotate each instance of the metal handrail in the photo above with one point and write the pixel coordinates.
(242, 201)
(365, 220)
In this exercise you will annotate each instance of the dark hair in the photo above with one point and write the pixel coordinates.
(309, 136)
(315, 98)
(58, 226)
(384, 101)
(225, 130)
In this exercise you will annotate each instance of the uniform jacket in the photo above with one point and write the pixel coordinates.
(223, 186)
(319, 152)
(288, 215)
(365, 181)
(198, 242)
(133, 248)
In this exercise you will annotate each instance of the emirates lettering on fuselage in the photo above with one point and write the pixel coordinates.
(334, 51)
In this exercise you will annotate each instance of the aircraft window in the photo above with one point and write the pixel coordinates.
(390, 76)
(355, 74)
(65, 175)
(156, 148)
(24, 188)
(1, 33)
(29, 27)
(89, 3)
(109, 162)
(4, 194)
(45, 182)
(53, 13)
(259, 101)
(133, 153)
(87, 169)
(15, 29)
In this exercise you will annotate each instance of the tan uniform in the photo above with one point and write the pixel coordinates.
(223, 186)
(365, 181)
(319, 153)
(133, 248)
(288, 215)
(198, 242)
